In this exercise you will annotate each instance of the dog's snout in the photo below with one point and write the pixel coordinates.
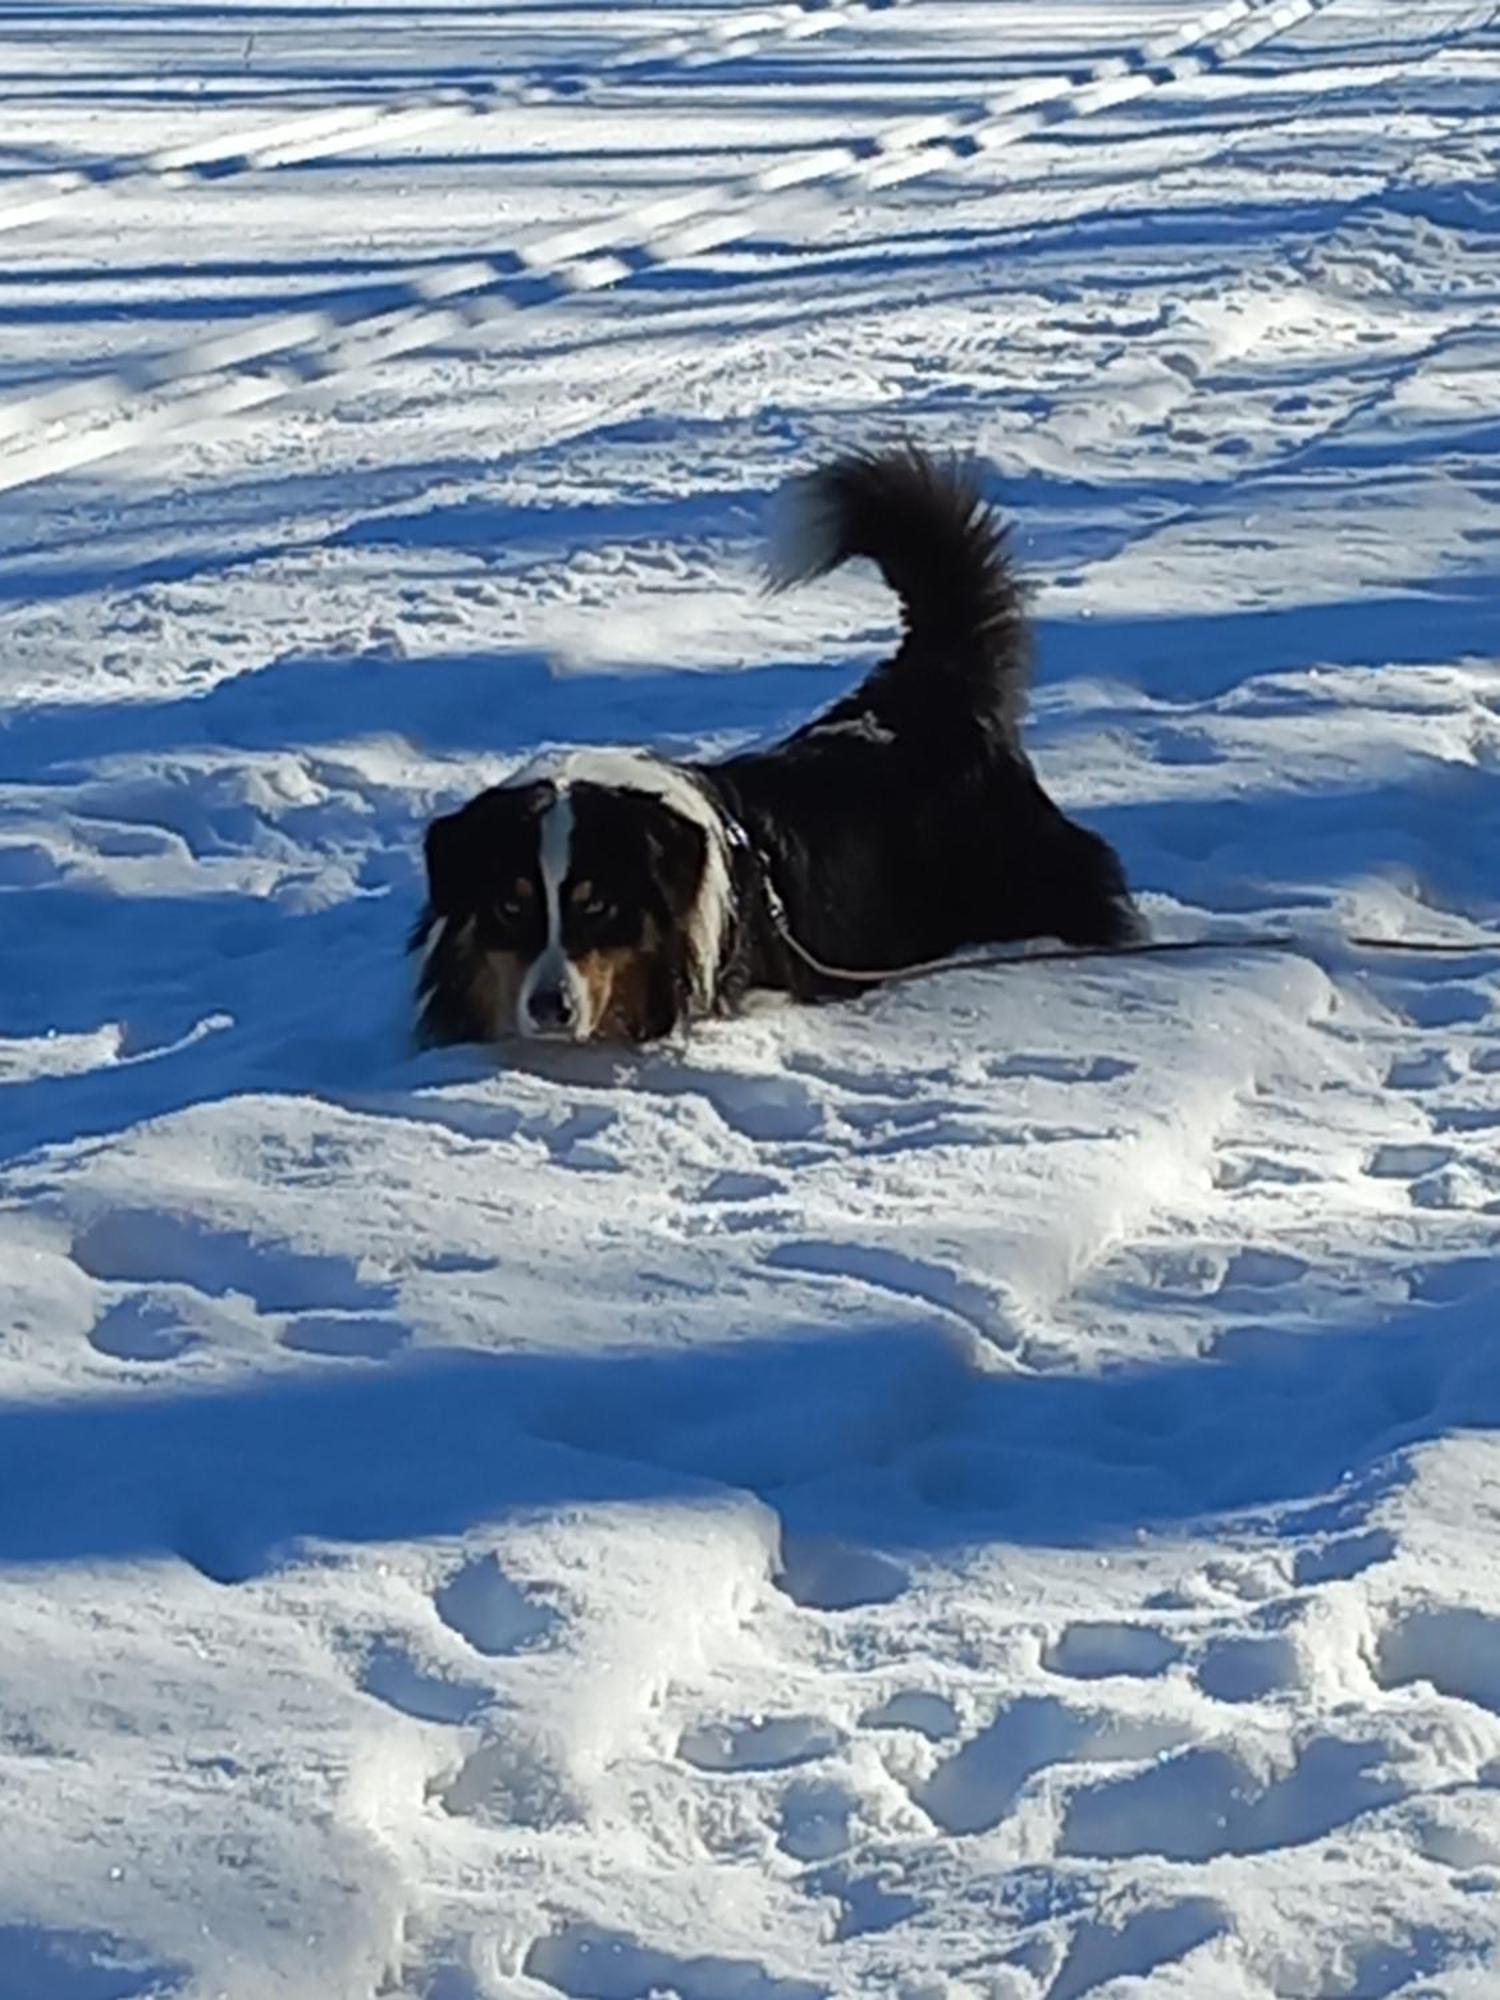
(551, 1009)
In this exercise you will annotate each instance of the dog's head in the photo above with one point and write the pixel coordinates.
(589, 903)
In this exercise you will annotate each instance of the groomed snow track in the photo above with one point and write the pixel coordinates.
(260, 365)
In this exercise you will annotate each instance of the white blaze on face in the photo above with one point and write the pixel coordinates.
(550, 968)
(711, 913)
(708, 919)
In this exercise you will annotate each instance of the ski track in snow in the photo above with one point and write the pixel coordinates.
(982, 1494)
(410, 311)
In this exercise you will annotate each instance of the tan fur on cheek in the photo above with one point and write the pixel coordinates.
(618, 985)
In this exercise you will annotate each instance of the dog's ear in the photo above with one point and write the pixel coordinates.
(679, 853)
(683, 985)
(449, 849)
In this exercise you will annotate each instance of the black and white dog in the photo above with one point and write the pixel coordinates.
(611, 895)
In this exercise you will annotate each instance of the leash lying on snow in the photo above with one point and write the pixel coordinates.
(1148, 947)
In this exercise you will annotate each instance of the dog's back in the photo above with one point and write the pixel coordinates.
(905, 821)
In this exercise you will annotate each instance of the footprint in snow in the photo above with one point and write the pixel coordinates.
(142, 1328)
(1340, 1558)
(868, 1904)
(1427, 1069)
(1455, 1649)
(1233, 1171)
(1451, 1006)
(1203, 1271)
(1203, 1802)
(510, 1780)
(442, 1980)
(1456, 1278)
(584, 1962)
(1249, 1667)
(153, 1245)
(1100, 1651)
(1175, 743)
(79, 1965)
(732, 1186)
(481, 1604)
(814, 1820)
(1099, 1952)
(764, 1108)
(1195, 1272)
(931, 1715)
(975, 1788)
(389, 1673)
(27, 864)
(1457, 1829)
(1466, 1118)
(1060, 1069)
(767, 1745)
(1262, 1270)
(1458, 1187)
(911, 1278)
(823, 1574)
(345, 1336)
(1406, 1162)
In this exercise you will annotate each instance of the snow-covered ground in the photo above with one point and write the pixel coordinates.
(990, 1493)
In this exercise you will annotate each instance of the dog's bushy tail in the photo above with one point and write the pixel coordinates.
(941, 548)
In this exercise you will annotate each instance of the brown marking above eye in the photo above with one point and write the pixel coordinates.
(521, 889)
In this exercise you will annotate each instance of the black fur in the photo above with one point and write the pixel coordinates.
(899, 826)
(906, 821)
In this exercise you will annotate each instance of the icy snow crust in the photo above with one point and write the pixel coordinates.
(988, 1493)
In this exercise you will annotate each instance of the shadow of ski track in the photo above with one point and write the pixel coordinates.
(268, 94)
(472, 705)
(1312, 1426)
(147, 16)
(178, 306)
(210, 68)
(1108, 514)
(1015, 249)
(1114, 246)
(49, 566)
(1190, 659)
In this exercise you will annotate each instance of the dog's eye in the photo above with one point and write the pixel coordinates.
(597, 906)
(509, 907)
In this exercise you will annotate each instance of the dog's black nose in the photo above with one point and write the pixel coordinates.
(551, 1009)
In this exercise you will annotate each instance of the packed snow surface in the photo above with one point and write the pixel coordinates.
(987, 1493)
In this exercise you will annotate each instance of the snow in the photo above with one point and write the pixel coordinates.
(984, 1493)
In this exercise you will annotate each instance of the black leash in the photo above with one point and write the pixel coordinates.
(1146, 948)
(984, 961)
